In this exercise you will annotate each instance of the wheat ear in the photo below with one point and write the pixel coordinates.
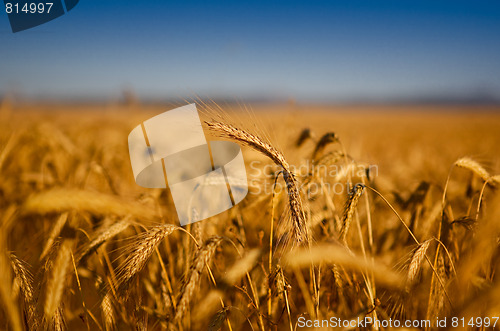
(416, 262)
(56, 283)
(326, 139)
(102, 235)
(142, 249)
(470, 164)
(351, 204)
(24, 279)
(299, 229)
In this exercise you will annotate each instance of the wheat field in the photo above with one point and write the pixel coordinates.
(390, 213)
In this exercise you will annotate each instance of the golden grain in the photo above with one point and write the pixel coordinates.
(66, 185)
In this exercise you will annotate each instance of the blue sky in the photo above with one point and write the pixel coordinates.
(311, 50)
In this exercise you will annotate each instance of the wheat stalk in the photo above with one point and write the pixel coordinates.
(24, 279)
(202, 259)
(9, 301)
(325, 140)
(349, 209)
(304, 135)
(56, 283)
(56, 230)
(108, 312)
(57, 322)
(101, 236)
(470, 164)
(416, 262)
(299, 228)
(142, 249)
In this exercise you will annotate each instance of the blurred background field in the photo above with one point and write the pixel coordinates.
(407, 141)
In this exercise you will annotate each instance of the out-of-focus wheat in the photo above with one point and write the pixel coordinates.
(141, 250)
(416, 262)
(326, 139)
(61, 200)
(202, 259)
(57, 280)
(334, 254)
(102, 235)
(470, 164)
